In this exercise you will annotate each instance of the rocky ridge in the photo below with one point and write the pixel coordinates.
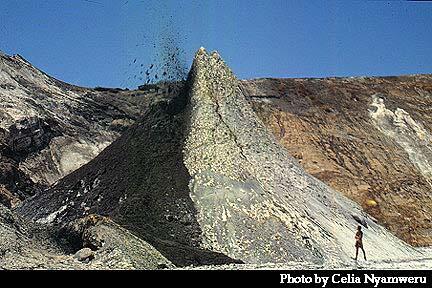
(92, 243)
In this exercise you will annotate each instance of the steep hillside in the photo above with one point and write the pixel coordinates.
(49, 128)
(369, 138)
(202, 179)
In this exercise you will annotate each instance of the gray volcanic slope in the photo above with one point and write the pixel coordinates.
(201, 179)
(49, 128)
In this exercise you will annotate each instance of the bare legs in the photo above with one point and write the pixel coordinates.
(364, 253)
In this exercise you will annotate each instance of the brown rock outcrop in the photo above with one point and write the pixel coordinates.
(367, 137)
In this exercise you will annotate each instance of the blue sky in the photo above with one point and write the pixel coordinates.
(95, 42)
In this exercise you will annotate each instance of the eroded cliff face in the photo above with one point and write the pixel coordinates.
(368, 138)
(49, 128)
(202, 179)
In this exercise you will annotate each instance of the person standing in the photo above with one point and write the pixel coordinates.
(359, 242)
